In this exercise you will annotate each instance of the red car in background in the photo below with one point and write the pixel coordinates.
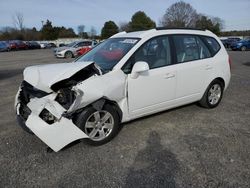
(12, 45)
(83, 50)
(17, 45)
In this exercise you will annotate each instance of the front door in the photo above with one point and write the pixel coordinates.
(152, 89)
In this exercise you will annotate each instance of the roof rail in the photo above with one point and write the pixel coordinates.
(120, 33)
(186, 28)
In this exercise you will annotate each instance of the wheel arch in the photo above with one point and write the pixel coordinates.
(220, 80)
(98, 105)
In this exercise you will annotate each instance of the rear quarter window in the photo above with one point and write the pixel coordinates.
(212, 43)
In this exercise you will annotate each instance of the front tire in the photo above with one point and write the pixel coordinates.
(100, 125)
(243, 48)
(68, 54)
(213, 95)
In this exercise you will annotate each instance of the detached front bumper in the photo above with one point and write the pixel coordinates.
(56, 134)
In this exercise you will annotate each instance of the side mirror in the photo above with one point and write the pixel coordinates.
(139, 67)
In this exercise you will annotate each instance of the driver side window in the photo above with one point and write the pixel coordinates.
(156, 52)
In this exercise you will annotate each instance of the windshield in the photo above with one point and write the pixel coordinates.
(71, 44)
(107, 54)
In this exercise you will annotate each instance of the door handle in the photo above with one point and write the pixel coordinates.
(208, 67)
(169, 75)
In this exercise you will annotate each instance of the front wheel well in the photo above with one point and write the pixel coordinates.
(69, 51)
(98, 105)
(117, 108)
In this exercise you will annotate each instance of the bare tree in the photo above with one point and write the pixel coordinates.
(124, 26)
(92, 32)
(81, 29)
(219, 21)
(180, 14)
(18, 21)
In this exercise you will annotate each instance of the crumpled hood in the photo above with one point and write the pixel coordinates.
(44, 76)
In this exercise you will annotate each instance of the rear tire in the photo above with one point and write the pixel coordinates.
(213, 95)
(100, 125)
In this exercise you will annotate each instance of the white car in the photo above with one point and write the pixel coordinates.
(128, 76)
(43, 45)
(70, 50)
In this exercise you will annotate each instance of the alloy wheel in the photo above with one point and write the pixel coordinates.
(99, 125)
(214, 94)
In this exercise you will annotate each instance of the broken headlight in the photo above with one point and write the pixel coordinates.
(65, 97)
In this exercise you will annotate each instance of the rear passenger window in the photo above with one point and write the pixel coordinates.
(190, 48)
(213, 44)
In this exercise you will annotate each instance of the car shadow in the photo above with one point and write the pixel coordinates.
(6, 74)
(154, 166)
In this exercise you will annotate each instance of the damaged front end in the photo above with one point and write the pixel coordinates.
(43, 113)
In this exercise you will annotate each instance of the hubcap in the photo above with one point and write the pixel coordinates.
(99, 125)
(214, 94)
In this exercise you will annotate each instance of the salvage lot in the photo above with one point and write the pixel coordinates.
(185, 147)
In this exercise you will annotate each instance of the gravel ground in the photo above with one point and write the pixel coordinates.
(184, 147)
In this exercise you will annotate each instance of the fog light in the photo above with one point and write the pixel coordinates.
(46, 116)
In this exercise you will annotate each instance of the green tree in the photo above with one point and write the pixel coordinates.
(66, 33)
(51, 33)
(140, 21)
(48, 31)
(205, 23)
(109, 29)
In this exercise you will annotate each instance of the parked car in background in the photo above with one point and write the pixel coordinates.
(33, 45)
(12, 45)
(71, 49)
(21, 45)
(45, 45)
(128, 76)
(228, 42)
(223, 41)
(242, 45)
(17, 45)
(51, 45)
(4, 47)
(83, 50)
(62, 44)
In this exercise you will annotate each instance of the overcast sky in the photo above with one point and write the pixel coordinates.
(71, 13)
